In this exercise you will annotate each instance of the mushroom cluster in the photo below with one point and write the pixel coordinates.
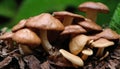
(86, 37)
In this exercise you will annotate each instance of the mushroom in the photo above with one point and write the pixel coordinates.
(90, 25)
(20, 25)
(108, 34)
(73, 29)
(67, 17)
(101, 44)
(45, 22)
(92, 9)
(86, 52)
(26, 38)
(72, 58)
(77, 44)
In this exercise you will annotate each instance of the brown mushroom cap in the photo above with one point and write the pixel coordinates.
(20, 25)
(102, 42)
(27, 37)
(61, 15)
(100, 7)
(65, 13)
(77, 44)
(7, 35)
(90, 25)
(44, 21)
(108, 34)
(73, 29)
(85, 53)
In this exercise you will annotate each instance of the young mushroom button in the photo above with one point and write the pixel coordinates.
(67, 17)
(92, 8)
(86, 52)
(26, 38)
(45, 22)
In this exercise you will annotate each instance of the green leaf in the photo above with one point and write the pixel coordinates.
(104, 19)
(115, 22)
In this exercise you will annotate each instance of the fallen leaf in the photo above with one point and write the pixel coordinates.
(32, 62)
(59, 60)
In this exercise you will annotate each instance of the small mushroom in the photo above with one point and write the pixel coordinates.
(77, 44)
(26, 38)
(20, 25)
(86, 52)
(72, 58)
(90, 25)
(67, 17)
(92, 9)
(101, 44)
(44, 22)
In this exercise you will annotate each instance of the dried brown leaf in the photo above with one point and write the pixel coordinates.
(59, 60)
(45, 65)
(21, 63)
(32, 62)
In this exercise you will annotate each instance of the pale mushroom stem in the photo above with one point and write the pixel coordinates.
(84, 57)
(100, 52)
(45, 43)
(92, 14)
(67, 20)
(24, 50)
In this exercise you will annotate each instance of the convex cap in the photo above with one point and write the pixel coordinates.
(108, 34)
(100, 7)
(44, 21)
(90, 25)
(27, 37)
(73, 29)
(62, 14)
